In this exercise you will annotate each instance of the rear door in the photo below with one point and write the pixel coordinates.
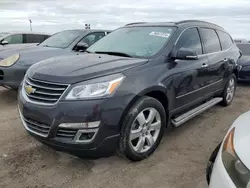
(191, 77)
(217, 58)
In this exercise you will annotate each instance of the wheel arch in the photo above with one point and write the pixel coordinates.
(156, 92)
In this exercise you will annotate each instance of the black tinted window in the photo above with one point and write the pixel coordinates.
(211, 40)
(225, 39)
(15, 39)
(32, 38)
(244, 48)
(190, 39)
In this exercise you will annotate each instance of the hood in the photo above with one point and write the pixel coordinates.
(76, 68)
(244, 60)
(242, 138)
(33, 54)
(15, 46)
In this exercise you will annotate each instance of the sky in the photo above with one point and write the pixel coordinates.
(51, 16)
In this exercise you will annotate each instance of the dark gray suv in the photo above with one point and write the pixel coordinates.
(128, 87)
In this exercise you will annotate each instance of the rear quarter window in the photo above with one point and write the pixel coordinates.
(225, 39)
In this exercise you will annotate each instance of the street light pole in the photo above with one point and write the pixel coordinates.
(30, 24)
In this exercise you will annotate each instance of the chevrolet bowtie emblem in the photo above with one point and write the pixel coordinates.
(29, 89)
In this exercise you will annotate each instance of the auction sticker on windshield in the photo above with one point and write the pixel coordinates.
(159, 34)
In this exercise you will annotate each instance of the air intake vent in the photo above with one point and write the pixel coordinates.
(66, 133)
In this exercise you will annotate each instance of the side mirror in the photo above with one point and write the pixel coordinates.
(185, 54)
(82, 46)
(4, 42)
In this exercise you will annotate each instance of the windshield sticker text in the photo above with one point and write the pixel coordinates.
(159, 34)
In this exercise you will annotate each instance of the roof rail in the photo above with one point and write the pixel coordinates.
(186, 21)
(134, 23)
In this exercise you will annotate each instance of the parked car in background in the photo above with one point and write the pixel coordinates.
(241, 41)
(229, 165)
(129, 87)
(244, 62)
(11, 39)
(15, 62)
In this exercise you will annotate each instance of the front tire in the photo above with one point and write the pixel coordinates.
(142, 129)
(229, 91)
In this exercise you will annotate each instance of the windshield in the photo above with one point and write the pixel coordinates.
(3, 35)
(244, 48)
(61, 40)
(133, 41)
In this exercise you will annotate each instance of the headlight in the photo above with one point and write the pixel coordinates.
(238, 172)
(95, 89)
(9, 60)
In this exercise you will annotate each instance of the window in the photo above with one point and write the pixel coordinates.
(135, 41)
(32, 38)
(225, 39)
(62, 39)
(92, 38)
(211, 40)
(190, 39)
(15, 39)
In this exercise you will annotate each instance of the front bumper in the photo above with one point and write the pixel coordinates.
(108, 112)
(12, 76)
(220, 177)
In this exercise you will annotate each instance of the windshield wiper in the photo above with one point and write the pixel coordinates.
(114, 53)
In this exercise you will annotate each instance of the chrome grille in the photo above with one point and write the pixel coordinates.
(37, 127)
(66, 133)
(43, 92)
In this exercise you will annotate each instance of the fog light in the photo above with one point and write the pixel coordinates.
(85, 135)
(85, 125)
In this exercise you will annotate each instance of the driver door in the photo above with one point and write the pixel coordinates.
(191, 76)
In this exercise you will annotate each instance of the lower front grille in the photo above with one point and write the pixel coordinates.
(37, 127)
(1, 75)
(66, 133)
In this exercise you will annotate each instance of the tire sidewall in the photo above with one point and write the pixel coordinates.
(139, 106)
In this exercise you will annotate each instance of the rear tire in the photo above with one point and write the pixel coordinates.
(229, 91)
(142, 129)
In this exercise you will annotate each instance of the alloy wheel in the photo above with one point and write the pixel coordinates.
(145, 130)
(230, 90)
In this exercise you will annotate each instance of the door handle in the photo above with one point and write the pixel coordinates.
(204, 65)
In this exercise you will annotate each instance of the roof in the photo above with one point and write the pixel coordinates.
(88, 30)
(24, 32)
(179, 23)
(39, 33)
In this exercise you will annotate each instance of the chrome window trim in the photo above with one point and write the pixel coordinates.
(198, 27)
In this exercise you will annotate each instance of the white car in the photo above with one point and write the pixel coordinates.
(229, 165)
